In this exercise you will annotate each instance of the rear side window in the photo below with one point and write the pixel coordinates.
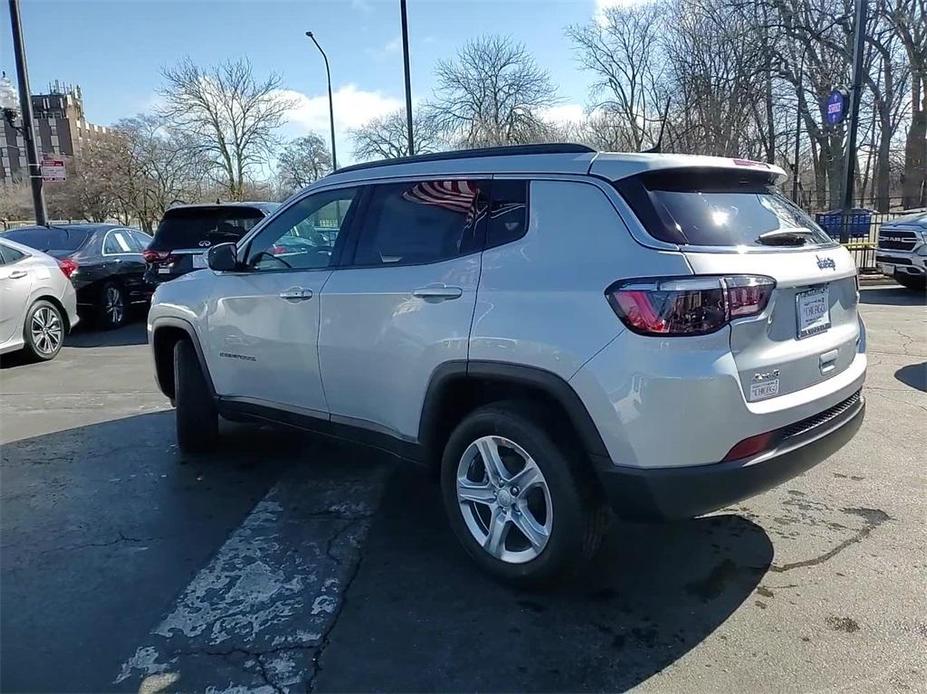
(508, 213)
(51, 239)
(421, 222)
(702, 207)
(119, 241)
(193, 227)
(9, 255)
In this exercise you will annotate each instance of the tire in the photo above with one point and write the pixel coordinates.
(195, 410)
(43, 331)
(574, 523)
(113, 308)
(911, 282)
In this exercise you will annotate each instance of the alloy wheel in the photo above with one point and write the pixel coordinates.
(113, 305)
(504, 499)
(46, 330)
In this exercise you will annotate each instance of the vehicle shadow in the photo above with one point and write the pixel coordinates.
(134, 333)
(892, 296)
(914, 375)
(102, 526)
(421, 617)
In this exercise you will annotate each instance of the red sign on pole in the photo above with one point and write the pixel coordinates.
(53, 170)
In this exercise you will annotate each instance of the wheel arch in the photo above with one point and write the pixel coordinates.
(165, 333)
(457, 388)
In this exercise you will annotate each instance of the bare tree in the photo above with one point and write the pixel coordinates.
(624, 52)
(228, 114)
(387, 137)
(491, 94)
(303, 161)
(909, 19)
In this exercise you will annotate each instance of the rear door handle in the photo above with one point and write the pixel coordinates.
(18, 274)
(437, 292)
(296, 294)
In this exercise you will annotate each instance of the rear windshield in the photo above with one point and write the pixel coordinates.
(50, 239)
(712, 208)
(204, 226)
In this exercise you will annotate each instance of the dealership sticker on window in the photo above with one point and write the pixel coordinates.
(765, 389)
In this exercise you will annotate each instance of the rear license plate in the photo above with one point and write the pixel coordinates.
(759, 391)
(164, 270)
(813, 309)
(199, 261)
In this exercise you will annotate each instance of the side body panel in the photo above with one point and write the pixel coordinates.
(379, 344)
(541, 300)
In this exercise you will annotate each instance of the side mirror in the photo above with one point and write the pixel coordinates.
(223, 257)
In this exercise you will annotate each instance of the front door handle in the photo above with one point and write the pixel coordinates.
(296, 294)
(437, 292)
(18, 274)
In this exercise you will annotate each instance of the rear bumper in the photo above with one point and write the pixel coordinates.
(686, 492)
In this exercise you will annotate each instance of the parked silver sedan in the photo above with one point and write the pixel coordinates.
(38, 306)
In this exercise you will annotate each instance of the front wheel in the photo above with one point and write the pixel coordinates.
(43, 332)
(519, 505)
(196, 416)
(917, 283)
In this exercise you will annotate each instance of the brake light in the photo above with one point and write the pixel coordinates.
(67, 266)
(155, 257)
(688, 305)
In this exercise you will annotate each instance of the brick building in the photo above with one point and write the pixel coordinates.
(60, 128)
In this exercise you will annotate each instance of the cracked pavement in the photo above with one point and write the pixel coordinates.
(284, 563)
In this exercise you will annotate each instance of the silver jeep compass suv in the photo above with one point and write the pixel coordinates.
(554, 330)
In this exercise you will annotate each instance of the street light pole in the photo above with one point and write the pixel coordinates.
(795, 172)
(405, 57)
(331, 106)
(25, 102)
(856, 92)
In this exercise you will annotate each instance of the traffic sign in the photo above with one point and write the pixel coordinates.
(837, 106)
(53, 170)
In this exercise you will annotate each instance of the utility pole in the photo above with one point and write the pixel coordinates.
(25, 103)
(855, 93)
(405, 57)
(795, 170)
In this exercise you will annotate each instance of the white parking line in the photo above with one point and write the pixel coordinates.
(257, 614)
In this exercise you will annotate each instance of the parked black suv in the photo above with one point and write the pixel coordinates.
(186, 232)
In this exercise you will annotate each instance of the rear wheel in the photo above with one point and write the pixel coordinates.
(519, 504)
(113, 308)
(911, 281)
(43, 331)
(195, 410)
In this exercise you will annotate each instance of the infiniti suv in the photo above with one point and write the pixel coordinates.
(554, 331)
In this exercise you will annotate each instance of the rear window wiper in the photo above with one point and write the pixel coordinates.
(784, 237)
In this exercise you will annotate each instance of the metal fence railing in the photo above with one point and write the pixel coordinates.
(860, 227)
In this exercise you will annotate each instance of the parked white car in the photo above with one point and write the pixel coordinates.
(38, 305)
(554, 330)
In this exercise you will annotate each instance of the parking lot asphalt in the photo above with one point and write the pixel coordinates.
(287, 563)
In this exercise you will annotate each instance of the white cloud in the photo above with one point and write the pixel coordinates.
(353, 107)
(564, 113)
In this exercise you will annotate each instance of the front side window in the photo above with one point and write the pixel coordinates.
(421, 222)
(303, 237)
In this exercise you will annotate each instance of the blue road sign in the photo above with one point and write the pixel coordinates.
(836, 106)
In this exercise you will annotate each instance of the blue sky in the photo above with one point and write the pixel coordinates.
(115, 48)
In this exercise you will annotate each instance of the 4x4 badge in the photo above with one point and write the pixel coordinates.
(825, 263)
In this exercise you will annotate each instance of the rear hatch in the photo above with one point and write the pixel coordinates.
(186, 233)
(731, 222)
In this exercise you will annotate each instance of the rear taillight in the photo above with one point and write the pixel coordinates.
(156, 257)
(68, 266)
(688, 305)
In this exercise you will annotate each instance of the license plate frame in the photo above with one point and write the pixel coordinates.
(808, 324)
(199, 261)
